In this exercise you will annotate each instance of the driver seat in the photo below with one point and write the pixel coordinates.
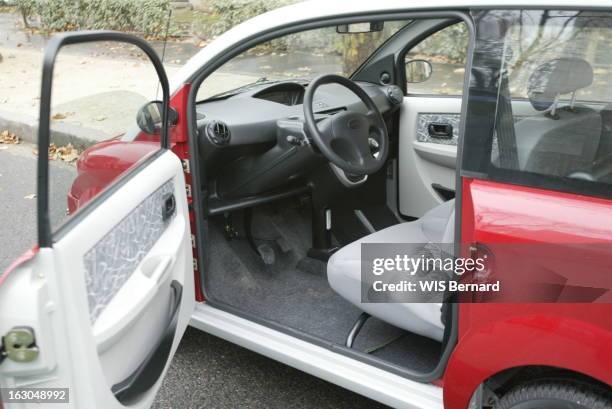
(344, 271)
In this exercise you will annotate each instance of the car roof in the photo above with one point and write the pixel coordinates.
(310, 11)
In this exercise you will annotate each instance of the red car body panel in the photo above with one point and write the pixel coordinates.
(101, 164)
(495, 337)
(179, 143)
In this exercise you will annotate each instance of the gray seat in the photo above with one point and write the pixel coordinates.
(344, 271)
(561, 140)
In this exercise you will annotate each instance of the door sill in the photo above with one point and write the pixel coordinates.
(342, 370)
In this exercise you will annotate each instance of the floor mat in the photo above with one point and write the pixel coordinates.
(294, 290)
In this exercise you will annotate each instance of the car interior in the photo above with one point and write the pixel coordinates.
(299, 173)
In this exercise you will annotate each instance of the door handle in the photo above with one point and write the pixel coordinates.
(168, 206)
(440, 131)
(156, 267)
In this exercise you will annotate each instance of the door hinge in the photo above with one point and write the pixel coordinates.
(193, 241)
(195, 265)
(188, 190)
(186, 167)
(19, 345)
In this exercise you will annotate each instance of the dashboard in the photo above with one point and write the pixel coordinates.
(251, 116)
(247, 140)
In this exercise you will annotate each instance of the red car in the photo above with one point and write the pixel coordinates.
(283, 192)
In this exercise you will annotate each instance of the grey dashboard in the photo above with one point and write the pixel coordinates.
(250, 116)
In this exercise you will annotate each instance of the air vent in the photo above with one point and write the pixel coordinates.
(218, 133)
(395, 94)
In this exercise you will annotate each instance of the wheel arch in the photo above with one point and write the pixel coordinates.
(502, 350)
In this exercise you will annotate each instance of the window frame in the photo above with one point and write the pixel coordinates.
(47, 235)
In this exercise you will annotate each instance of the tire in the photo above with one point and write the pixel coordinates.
(556, 395)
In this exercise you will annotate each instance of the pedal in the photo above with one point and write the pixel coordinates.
(267, 254)
(283, 244)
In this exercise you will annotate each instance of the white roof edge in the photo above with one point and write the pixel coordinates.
(308, 10)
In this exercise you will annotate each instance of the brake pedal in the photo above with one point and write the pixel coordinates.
(283, 244)
(267, 254)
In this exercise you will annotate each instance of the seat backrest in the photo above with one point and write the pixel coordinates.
(560, 140)
(560, 146)
(438, 223)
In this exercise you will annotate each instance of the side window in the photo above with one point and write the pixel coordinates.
(99, 108)
(436, 66)
(554, 117)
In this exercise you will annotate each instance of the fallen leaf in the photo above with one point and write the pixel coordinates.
(61, 115)
(9, 138)
(66, 153)
(100, 118)
(32, 196)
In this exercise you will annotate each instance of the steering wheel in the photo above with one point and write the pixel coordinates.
(346, 139)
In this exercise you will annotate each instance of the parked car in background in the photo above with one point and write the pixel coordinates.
(242, 205)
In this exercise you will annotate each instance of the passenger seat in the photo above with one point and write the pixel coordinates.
(344, 271)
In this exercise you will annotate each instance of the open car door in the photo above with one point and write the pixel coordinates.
(100, 307)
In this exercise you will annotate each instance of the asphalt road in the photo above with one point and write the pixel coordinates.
(207, 372)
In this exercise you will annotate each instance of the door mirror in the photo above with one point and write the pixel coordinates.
(355, 28)
(418, 71)
(149, 117)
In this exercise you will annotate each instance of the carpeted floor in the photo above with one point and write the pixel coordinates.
(294, 290)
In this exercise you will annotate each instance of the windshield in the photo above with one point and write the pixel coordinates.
(301, 56)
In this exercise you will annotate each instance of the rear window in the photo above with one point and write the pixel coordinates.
(540, 103)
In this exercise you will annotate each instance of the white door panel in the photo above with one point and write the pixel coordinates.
(130, 232)
(68, 296)
(100, 309)
(425, 161)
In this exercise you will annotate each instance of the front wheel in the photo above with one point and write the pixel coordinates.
(555, 395)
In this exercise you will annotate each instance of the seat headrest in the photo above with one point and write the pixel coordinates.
(555, 77)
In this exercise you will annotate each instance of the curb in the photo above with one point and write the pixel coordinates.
(26, 128)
